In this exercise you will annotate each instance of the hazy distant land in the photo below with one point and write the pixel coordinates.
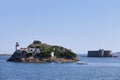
(5, 54)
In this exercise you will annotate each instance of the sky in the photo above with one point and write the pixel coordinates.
(79, 25)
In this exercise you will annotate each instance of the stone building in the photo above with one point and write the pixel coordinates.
(33, 50)
(100, 53)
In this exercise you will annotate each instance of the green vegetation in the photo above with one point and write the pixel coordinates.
(29, 55)
(43, 55)
(60, 52)
(66, 54)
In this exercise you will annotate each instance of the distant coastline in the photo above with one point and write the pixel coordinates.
(5, 54)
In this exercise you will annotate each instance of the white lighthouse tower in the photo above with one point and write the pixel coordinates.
(52, 54)
(17, 46)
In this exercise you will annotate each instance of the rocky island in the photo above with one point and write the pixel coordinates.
(41, 52)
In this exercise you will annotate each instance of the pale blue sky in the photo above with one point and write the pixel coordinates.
(80, 25)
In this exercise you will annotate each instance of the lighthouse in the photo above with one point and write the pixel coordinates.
(16, 46)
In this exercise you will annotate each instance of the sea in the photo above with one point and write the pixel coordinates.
(92, 69)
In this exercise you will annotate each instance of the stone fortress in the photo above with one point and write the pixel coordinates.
(100, 53)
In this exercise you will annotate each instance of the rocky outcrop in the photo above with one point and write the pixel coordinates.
(61, 54)
(33, 58)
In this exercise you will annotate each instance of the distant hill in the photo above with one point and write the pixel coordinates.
(116, 54)
(5, 54)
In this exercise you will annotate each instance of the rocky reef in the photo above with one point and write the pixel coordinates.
(41, 52)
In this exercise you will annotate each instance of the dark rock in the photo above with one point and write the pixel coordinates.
(37, 42)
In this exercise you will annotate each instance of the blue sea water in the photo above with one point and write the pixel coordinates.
(95, 69)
